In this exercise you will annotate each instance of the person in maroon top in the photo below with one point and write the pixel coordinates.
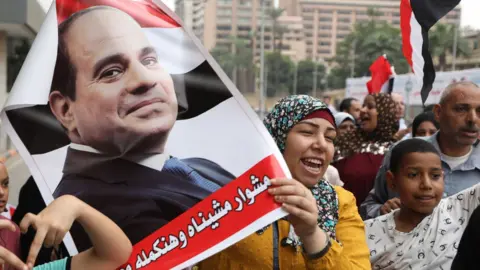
(359, 154)
(9, 240)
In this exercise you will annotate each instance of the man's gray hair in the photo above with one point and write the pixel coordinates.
(448, 90)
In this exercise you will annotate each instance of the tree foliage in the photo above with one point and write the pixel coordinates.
(441, 43)
(279, 74)
(367, 41)
(15, 61)
(305, 75)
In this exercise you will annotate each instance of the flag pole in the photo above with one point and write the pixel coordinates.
(262, 62)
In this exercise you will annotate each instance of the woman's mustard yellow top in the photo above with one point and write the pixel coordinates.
(256, 251)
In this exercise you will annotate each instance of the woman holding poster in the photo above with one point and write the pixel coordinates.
(324, 229)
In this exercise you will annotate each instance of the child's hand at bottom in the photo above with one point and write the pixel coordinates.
(52, 224)
(6, 256)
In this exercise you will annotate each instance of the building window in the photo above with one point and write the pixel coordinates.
(245, 3)
(224, 11)
(325, 11)
(344, 12)
(224, 27)
(323, 19)
(345, 20)
(324, 51)
(325, 27)
(324, 43)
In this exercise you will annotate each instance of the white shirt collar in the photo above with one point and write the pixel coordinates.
(153, 161)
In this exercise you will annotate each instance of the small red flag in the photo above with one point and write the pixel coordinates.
(381, 71)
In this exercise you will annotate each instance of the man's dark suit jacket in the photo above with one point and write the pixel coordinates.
(137, 198)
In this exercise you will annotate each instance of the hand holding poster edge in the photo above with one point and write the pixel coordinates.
(239, 99)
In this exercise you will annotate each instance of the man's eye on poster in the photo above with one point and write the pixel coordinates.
(120, 106)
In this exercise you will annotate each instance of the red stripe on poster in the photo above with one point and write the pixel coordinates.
(405, 18)
(211, 221)
(145, 12)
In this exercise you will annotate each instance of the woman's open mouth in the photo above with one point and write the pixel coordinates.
(312, 165)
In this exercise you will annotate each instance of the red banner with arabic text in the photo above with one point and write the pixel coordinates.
(219, 216)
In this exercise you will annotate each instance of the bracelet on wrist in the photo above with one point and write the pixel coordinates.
(322, 252)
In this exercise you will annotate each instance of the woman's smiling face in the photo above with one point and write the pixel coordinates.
(309, 150)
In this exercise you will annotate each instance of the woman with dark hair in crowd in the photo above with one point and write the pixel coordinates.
(424, 125)
(323, 229)
(359, 154)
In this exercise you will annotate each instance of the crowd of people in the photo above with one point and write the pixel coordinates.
(365, 194)
(368, 189)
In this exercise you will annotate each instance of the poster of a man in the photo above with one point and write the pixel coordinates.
(124, 133)
(113, 98)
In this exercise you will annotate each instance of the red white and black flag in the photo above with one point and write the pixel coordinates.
(383, 76)
(417, 18)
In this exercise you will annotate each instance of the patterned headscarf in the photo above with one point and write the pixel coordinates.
(284, 115)
(376, 142)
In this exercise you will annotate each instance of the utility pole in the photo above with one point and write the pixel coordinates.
(454, 50)
(262, 62)
(352, 67)
(314, 90)
(295, 78)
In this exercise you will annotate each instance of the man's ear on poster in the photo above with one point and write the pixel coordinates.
(60, 106)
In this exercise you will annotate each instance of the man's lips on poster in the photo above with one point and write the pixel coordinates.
(144, 104)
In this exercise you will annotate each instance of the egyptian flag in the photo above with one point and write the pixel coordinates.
(197, 85)
(417, 18)
(383, 76)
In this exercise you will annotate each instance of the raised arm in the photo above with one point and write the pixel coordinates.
(111, 247)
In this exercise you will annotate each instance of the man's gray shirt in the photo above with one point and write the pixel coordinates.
(456, 180)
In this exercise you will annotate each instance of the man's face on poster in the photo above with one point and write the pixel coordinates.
(122, 94)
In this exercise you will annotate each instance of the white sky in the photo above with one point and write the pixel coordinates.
(470, 11)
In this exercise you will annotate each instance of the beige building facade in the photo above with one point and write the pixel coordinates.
(327, 22)
(216, 22)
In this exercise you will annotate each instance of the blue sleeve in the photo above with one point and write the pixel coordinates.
(63, 264)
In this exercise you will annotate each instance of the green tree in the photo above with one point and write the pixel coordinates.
(15, 61)
(279, 74)
(442, 38)
(305, 76)
(278, 30)
(368, 40)
(239, 64)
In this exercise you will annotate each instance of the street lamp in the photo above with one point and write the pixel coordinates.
(408, 90)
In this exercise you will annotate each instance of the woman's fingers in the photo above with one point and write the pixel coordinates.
(298, 201)
(59, 238)
(7, 225)
(305, 216)
(28, 220)
(10, 259)
(50, 238)
(36, 246)
(288, 187)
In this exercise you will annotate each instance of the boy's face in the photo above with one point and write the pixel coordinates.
(419, 181)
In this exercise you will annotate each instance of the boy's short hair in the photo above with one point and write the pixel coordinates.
(414, 145)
